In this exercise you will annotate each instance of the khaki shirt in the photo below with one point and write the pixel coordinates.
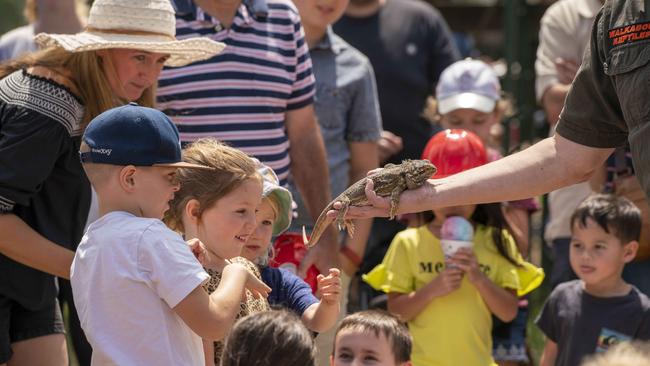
(608, 102)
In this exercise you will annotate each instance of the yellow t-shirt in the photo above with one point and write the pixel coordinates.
(454, 329)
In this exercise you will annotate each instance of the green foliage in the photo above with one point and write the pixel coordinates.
(11, 15)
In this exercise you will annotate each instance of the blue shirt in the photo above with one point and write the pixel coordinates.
(347, 110)
(241, 95)
(287, 290)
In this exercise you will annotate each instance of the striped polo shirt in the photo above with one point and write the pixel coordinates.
(241, 95)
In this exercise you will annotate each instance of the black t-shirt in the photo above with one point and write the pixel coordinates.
(408, 44)
(41, 178)
(608, 101)
(582, 324)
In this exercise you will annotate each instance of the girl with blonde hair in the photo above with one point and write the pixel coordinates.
(46, 100)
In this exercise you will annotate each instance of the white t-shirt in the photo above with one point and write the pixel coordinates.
(127, 275)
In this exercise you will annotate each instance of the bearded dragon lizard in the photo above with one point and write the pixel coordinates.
(391, 181)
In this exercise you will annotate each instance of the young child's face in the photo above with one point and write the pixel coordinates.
(226, 226)
(465, 211)
(597, 256)
(156, 187)
(471, 120)
(354, 347)
(320, 13)
(258, 243)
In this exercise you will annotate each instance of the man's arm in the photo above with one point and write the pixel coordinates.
(310, 172)
(550, 164)
(24, 245)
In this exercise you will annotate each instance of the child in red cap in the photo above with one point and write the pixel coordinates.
(449, 304)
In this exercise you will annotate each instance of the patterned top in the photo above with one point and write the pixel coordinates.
(241, 95)
(41, 178)
(251, 306)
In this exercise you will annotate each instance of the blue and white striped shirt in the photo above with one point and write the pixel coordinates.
(241, 95)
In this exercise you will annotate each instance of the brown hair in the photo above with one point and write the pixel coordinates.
(380, 322)
(88, 72)
(231, 168)
(269, 338)
(615, 214)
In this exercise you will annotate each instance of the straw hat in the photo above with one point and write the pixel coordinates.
(147, 25)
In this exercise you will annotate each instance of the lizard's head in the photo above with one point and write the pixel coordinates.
(419, 170)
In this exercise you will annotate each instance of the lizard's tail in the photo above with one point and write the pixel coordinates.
(319, 228)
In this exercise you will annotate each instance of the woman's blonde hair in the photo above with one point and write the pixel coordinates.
(232, 167)
(89, 74)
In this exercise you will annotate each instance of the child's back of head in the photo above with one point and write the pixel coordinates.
(130, 155)
(271, 338)
(373, 332)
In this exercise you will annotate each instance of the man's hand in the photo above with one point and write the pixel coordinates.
(389, 145)
(329, 287)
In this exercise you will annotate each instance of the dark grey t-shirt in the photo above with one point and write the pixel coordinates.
(607, 104)
(408, 43)
(582, 324)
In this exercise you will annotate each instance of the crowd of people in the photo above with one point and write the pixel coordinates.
(187, 143)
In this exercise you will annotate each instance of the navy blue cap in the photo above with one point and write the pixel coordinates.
(133, 135)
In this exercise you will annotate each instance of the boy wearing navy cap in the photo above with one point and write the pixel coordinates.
(136, 283)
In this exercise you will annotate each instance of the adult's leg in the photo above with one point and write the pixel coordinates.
(37, 337)
(45, 350)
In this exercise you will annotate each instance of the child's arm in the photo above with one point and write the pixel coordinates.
(208, 352)
(322, 316)
(500, 301)
(550, 354)
(408, 306)
(212, 316)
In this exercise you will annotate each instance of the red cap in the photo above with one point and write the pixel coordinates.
(454, 151)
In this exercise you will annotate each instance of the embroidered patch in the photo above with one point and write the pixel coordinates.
(609, 338)
(629, 34)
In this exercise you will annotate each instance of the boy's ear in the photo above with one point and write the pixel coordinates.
(127, 178)
(629, 251)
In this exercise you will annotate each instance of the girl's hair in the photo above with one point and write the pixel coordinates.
(488, 214)
(232, 167)
(380, 322)
(269, 338)
(89, 73)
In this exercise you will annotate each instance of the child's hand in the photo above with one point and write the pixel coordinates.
(449, 280)
(199, 251)
(465, 260)
(256, 286)
(329, 287)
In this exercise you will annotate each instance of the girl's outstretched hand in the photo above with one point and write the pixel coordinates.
(329, 287)
(465, 260)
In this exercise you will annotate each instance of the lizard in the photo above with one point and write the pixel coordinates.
(391, 181)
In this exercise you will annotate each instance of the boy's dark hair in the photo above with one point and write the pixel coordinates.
(269, 338)
(615, 214)
(380, 322)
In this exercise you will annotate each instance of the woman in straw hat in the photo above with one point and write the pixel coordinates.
(46, 99)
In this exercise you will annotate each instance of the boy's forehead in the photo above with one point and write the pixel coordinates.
(591, 227)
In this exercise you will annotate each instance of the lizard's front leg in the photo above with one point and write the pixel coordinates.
(394, 197)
